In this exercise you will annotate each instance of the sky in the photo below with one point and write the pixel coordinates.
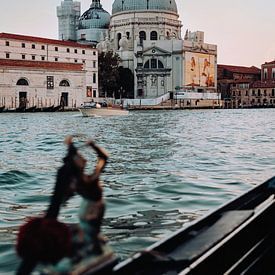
(244, 30)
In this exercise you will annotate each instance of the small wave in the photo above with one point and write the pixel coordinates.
(14, 178)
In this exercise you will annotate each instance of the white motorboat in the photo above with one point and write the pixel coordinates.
(97, 109)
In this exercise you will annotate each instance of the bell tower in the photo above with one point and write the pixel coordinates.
(68, 15)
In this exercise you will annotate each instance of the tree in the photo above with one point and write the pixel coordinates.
(108, 73)
(126, 83)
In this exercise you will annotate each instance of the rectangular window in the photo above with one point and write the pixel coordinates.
(23, 45)
(42, 58)
(94, 93)
(42, 47)
(265, 73)
(75, 50)
(94, 53)
(273, 73)
(33, 46)
(7, 43)
(56, 59)
(50, 82)
(153, 63)
(23, 56)
(83, 51)
(94, 64)
(68, 50)
(56, 49)
(33, 57)
(94, 78)
(7, 55)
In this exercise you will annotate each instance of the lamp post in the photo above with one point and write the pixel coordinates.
(177, 88)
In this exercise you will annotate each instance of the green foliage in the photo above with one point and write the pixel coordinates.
(108, 73)
(126, 83)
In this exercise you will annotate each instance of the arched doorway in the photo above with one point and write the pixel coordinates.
(22, 94)
(64, 99)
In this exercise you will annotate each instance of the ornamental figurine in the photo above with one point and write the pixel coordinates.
(56, 248)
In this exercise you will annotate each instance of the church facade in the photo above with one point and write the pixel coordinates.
(147, 35)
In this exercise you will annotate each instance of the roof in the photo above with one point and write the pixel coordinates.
(242, 81)
(269, 63)
(42, 40)
(240, 69)
(44, 65)
(141, 5)
(263, 84)
(94, 18)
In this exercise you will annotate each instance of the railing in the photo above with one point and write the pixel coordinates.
(146, 102)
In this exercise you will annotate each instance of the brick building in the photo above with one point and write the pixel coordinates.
(263, 91)
(234, 84)
(244, 87)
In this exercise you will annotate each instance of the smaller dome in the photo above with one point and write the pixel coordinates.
(95, 17)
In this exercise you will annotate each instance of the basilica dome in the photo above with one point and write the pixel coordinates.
(95, 17)
(136, 5)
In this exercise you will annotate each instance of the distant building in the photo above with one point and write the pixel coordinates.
(147, 37)
(245, 87)
(234, 84)
(264, 91)
(68, 16)
(42, 72)
(88, 28)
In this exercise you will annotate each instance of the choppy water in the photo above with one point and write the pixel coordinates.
(167, 168)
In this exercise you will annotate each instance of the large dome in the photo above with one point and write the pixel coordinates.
(133, 5)
(95, 17)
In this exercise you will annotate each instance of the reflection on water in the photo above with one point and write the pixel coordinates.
(167, 168)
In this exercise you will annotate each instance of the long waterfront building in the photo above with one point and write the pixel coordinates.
(42, 72)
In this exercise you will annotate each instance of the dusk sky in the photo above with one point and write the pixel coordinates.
(244, 30)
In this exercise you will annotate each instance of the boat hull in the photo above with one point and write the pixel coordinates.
(237, 238)
(93, 112)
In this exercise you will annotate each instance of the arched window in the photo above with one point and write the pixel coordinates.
(146, 65)
(118, 39)
(160, 65)
(154, 35)
(142, 36)
(153, 64)
(22, 82)
(64, 83)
